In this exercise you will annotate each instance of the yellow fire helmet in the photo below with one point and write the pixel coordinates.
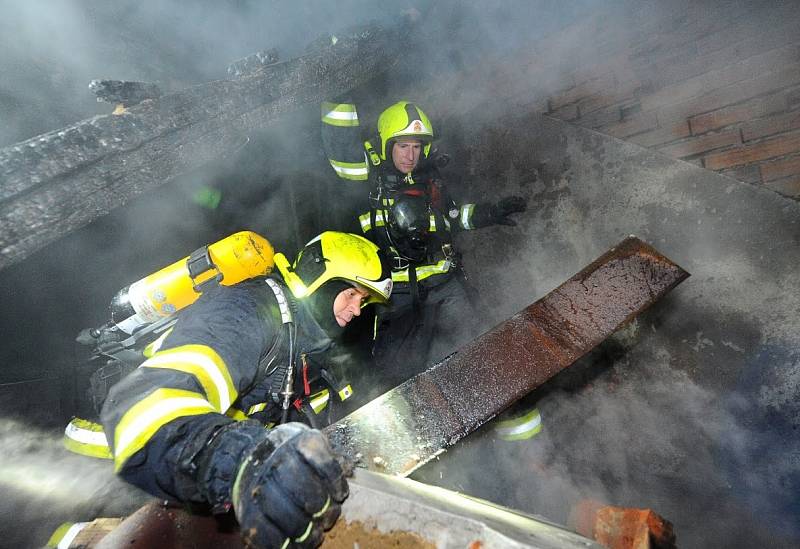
(337, 256)
(404, 119)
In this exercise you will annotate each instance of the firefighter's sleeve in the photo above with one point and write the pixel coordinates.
(341, 139)
(462, 216)
(163, 414)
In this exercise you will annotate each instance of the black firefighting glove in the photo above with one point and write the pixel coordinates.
(289, 489)
(285, 484)
(505, 207)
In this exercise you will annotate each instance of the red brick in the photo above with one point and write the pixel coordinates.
(772, 148)
(787, 187)
(618, 94)
(580, 91)
(779, 169)
(663, 134)
(619, 66)
(638, 123)
(734, 93)
(746, 174)
(704, 143)
(761, 22)
(567, 112)
(600, 117)
(771, 126)
(755, 108)
(747, 69)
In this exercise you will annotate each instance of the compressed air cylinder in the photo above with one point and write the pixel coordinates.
(238, 257)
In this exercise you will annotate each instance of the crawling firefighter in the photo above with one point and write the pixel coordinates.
(188, 424)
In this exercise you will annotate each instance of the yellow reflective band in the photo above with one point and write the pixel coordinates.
(346, 393)
(466, 216)
(319, 401)
(286, 543)
(65, 534)
(324, 508)
(520, 428)
(87, 439)
(423, 271)
(205, 365)
(307, 533)
(433, 223)
(366, 222)
(236, 414)
(355, 171)
(255, 408)
(388, 201)
(153, 347)
(339, 114)
(148, 415)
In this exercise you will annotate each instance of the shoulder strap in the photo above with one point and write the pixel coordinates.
(267, 363)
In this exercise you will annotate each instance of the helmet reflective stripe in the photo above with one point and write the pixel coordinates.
(205, 365)
(339, 114)
(423, 271)
(520, 428)
(86, 438)
(148, 415)
(255, 408)
(383, 287)
(466, 216)
(355, 171)
(65, 534)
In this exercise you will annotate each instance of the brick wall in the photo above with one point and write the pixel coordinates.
(713, 83)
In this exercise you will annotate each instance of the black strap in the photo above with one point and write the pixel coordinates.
(198, 262)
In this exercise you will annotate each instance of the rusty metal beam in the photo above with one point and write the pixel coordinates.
(411, 424)
(60, 181)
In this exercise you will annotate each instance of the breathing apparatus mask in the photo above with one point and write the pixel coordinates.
(408, 226)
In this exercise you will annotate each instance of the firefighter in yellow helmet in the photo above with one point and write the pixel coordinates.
(248, 352)
(411, 217)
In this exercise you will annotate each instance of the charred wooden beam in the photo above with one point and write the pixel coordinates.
(416, 421)
(252, 63)
(125, 92)
(62, 180)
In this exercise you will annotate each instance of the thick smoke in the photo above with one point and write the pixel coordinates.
(44, 485)
(636, 424)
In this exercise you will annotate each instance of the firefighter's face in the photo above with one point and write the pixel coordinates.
(348, 304)
(405, 154)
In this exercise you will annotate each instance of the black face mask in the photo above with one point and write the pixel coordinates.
(409, 226)
(320, 303)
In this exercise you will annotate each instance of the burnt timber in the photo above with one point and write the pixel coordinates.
(414, 422)
(60, 181)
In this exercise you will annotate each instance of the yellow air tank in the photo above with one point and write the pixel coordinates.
(238, 257)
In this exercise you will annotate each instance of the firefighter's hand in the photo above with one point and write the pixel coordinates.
(289, 487)
(505, 207)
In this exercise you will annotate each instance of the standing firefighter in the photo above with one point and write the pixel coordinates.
(411, 218)
(248, 352)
